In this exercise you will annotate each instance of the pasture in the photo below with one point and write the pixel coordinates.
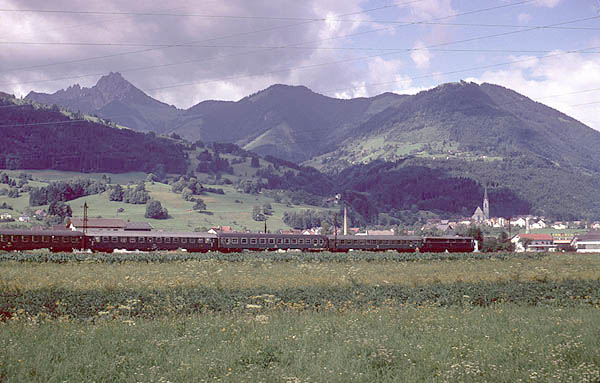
(299, 317)
(233, 208)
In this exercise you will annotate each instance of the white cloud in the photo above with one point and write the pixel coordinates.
(564, 76)
(524, 18)
(547, 3)
(421, 55)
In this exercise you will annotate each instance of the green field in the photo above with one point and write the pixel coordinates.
(299, 317)
(234, 208)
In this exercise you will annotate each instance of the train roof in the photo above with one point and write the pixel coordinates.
(154, 233)
(378, 237)
(272, 235)
(447, 237)
(64, 233)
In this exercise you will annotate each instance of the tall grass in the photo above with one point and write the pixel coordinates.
(505, 344)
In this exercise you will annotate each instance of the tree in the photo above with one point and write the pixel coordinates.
(257, 213)
(476, 233)
(13, 193)
(116, 193)
(60, 209)
(199, 205)
(254, 162)
(267, 209)
(155, 210)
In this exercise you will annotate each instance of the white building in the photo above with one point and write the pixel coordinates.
(587, 243)
(533, 242)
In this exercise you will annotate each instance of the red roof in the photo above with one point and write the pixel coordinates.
(536, 237)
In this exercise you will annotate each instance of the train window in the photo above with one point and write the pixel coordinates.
(253, 241)
(301, 241)
(183, 240)
(385, 242)
(35, 238)
(294, 241)
(167, 240)
(55, 239)
(123, 239)
(105, 239)
(201, 240)
(244, 241)
(279, 241)
(149, 239)
(263, 241)
(287, 241)
(25, 238)
(75, 239)
(114, 239)
(321, 242)
(132, 240)
(14, 238)
(227, 241)
(141, 239)
(2, 238)
(158, 239)
(234, 241)
(65, 239)
(315, 241)
(362, 242)
(271, 240)
(175, 240)
(193, 240)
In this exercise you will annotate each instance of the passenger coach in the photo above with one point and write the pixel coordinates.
(109, 241)
(405, 244)
(55, 240)
(236, 242)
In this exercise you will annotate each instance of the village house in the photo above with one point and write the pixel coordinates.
(377, 232)
(533, 242)
(24, 218)
(97, 224)
(587, 243)
(538, 225)
(559, 225)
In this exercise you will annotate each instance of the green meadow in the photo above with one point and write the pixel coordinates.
(234, 208)
(365, 317)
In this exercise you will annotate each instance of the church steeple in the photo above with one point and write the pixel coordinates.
(486, 205)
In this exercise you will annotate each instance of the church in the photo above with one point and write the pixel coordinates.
(482, 215)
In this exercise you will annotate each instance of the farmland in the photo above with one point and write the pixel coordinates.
(299, 317)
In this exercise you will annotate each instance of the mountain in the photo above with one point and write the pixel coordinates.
(531, 157)
(116, 99)
(289, 122)
(468, 121)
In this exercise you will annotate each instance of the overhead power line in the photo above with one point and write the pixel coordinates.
(405, 50)
(121, 54)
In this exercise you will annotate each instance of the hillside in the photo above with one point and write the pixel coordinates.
(461, 136)
(36, 137)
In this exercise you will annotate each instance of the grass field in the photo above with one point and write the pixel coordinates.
(300, 317)
(234, 208)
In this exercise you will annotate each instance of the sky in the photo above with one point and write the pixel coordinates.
(183, 51)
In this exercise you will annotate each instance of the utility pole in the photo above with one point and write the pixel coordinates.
(85, 223)
(335, 231)
(345, 221)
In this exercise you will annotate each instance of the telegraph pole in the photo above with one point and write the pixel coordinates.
(335, 231)
(85, 223)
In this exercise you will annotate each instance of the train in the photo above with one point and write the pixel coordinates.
(227, 242)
